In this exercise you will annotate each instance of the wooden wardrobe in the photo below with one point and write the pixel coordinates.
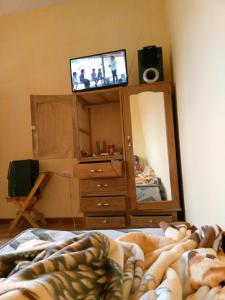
(124, 141)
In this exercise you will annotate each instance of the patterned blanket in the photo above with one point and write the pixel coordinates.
(185, 263)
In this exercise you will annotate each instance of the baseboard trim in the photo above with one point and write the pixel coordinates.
(79, 221)
(5, 220)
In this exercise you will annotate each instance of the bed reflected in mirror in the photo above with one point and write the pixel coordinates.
(151, 165)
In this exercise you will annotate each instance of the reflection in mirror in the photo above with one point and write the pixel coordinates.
(150, 150)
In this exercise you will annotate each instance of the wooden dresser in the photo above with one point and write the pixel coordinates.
(137, 123)
(103, 187)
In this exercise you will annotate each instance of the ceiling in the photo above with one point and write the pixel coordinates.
(15, 6)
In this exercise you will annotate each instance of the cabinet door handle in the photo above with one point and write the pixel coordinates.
(99, 204)
(92, 170)
(129, 141)
(106, 204)
(150, 221)
(104, 221)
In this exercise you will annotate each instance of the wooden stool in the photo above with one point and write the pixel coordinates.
(26, 204)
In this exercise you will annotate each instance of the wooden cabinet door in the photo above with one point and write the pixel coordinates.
(150, 143)
(54, 132)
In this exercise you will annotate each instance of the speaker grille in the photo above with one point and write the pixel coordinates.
(150, 57)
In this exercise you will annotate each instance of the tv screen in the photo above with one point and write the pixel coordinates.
(99, 71)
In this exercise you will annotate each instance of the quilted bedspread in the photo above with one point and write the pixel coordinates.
(186, 263)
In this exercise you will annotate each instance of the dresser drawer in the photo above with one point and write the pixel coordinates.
(103, 187)
(148, 221)
(98, 170)
(105, 222)
(102, 204)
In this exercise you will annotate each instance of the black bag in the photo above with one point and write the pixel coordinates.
(22, 175)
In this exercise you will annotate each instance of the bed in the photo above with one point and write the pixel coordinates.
(149, 187)
(148, 192)
(176, 261)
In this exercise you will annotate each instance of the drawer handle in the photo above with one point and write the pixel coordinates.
(96, 170)
(104, 221)
(150, 221)
(102, 185)
(102, 204)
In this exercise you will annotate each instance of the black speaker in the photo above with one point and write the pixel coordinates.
(22, 175)
(150, 64)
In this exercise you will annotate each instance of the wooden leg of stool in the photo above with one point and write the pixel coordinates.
(28, 200)
(30, 220)
(38, 216)
(18, 219)
(26, 204)
(15, 222)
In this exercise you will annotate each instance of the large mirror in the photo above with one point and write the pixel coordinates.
(150, 149)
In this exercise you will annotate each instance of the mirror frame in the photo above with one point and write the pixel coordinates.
(173, 204)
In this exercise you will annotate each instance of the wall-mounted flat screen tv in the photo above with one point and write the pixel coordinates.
(104, 70)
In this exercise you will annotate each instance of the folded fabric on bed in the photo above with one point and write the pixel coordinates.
(186, 263)
(60, 235)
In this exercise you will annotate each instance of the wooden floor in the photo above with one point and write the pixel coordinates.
(5, 234)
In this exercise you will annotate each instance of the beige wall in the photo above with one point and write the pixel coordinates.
(198, 57)
(34, 49)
